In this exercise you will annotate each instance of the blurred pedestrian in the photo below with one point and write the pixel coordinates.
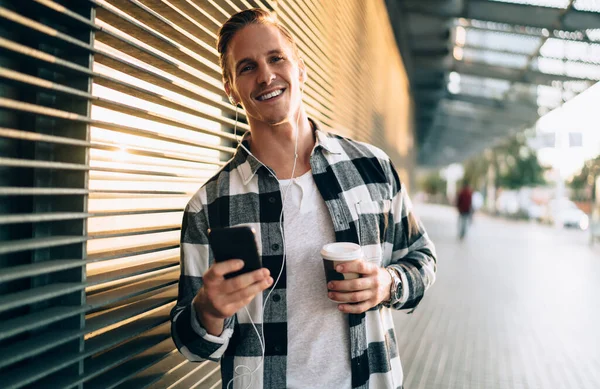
(464, 204)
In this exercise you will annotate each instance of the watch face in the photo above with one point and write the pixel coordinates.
(398, 292)
(397, 289)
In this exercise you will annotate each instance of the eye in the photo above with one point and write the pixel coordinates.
(277, 58)
(246, 68)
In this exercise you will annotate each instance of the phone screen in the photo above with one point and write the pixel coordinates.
(235, 243)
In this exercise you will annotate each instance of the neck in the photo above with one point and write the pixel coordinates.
(275, 145)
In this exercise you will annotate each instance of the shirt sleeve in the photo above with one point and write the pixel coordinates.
(413, 253)
(190, 337)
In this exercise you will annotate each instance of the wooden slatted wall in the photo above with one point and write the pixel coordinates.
(112, 114)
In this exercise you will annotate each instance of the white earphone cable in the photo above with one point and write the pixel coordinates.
(261, 335)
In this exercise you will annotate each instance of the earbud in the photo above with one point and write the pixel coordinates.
(231, 100)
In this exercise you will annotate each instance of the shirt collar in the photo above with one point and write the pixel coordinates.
(248, 165)
(325, 140)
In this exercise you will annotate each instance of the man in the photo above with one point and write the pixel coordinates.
(330, 189)
(465, 209)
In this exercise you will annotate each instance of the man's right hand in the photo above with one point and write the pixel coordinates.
(220, 298)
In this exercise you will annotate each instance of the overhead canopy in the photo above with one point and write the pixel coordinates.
(481, 70)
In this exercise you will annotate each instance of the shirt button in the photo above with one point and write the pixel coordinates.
(276, 297)
(277, 348)
(275, 247)
(272, 199)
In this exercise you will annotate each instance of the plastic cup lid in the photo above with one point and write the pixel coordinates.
(341, 251)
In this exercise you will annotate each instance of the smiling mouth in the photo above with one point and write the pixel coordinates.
(270, 95)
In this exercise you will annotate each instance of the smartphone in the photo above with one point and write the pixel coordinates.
(235, 243)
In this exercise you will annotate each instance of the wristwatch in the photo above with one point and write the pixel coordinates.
(395, 287)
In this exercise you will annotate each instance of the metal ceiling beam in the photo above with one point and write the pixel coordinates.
(508, 52)
(521, 109)
(494, 103)
(514, 30)
(512, 75)
(473, 124)
(485, 104)
(515, 14)
(490, 71)
(502, 119)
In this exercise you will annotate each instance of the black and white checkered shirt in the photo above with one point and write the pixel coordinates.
(367, 204)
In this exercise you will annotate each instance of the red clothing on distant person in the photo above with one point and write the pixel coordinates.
(463, 202)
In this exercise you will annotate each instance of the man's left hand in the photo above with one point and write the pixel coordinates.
(362, 293)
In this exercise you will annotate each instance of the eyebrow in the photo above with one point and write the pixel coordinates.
(247, 59)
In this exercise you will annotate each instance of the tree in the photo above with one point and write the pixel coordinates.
(516, 165)
(433, 184)
(583, 183)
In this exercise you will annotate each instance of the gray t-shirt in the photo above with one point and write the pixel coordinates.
(318, 333)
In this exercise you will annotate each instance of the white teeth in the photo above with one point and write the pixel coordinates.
(270, 95)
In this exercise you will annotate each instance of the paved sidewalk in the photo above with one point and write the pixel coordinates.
(516, 305)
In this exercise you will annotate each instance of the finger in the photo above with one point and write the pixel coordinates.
(355, 308)
(244, 280)
(352, 285)
(353, 297)
(243, 297)
(359, 266)
(219, 269)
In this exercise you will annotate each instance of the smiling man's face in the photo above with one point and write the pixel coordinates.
(265, 75)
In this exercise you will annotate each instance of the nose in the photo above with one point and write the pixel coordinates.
(265, 74)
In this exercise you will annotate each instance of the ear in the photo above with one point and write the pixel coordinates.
(233, 99)
(302, 69)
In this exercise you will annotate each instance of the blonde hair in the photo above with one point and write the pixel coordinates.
(240, 20)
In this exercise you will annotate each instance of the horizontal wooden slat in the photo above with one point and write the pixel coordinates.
(41, 217)
(61, 13)
(176, 369)
(43, 31)
(35, 345)
(60, 114)
(33, 55)
(203, 62)
(36, 137)
(162, 100)
(126, 272)
(49, 364)
(38, 164)
(199, 376)
(28, 191)
(143, 359)
(206, 377)
(175, 25)
(60, 65)
(39, 268)
(161, 118)
(157, 373)
(130, 308)
(130, 251)
(158, 331)
(129, 47)
(133, 231)
(124, 212)
(36, 295)
(24, 80)
(38, 243)
(114, 295)
(29, 374)
(36, 320)
(187, 16)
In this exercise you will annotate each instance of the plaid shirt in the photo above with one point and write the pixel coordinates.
(368, 205)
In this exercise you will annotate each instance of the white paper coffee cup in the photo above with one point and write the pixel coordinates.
(338, 253)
